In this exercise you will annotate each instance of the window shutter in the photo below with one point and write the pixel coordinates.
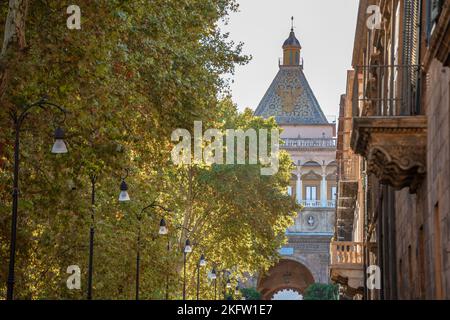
(411, 22)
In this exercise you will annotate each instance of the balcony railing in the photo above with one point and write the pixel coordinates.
(318, 203)
(348, 253)
(386, 90)
(309, 143)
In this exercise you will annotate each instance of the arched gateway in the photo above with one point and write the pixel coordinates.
(287, 280)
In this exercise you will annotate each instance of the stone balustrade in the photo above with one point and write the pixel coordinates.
(346, 253)
(289, 143)
(318, 203)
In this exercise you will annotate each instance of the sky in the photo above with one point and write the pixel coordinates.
(325, 29)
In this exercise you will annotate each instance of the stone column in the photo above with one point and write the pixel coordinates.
(323, 189)
(299, 188)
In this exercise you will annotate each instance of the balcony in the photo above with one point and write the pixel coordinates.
(348, 177)
(387, 131)
(346, 253)
(309, 143)
(346, 267)
(318, 203)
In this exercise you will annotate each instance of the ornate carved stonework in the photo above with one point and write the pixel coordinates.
(395, 148)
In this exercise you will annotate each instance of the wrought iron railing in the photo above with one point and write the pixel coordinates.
(386, 90)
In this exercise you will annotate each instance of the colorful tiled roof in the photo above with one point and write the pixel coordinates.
(290, 99)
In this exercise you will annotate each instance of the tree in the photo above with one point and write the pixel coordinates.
(251, 294)
(321, 291)
(129, 77)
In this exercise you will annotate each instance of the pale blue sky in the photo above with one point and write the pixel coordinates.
(325, 29)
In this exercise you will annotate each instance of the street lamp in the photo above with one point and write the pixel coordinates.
(201, 263)
(58, 147)
(163, 227)
(213, 276)
(187, 249)
(123, 196)
(162, 230)
(93, 179)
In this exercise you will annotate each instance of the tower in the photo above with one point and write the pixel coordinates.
(310, 140)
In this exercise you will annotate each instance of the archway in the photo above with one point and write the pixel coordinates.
(288, 276)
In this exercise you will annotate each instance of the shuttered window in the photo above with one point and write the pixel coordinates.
(410, 71)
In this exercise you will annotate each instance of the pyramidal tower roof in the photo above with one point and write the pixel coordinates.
(289, 98)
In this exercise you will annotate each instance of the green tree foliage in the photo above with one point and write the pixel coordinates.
(250, 294)
(136, 71)
(321, 291)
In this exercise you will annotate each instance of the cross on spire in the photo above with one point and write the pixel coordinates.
(292, 23)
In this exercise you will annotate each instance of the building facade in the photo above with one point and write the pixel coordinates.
(310, 140)
(393, 213)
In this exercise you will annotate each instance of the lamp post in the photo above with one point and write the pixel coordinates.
(59, 146)
(213, 276)
(93, 178)
(201, 263)
(162, 231)
(123, 197)
(187, 249)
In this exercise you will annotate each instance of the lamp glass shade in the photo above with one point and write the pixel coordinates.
(212, 275)
(228, 284)
(187, 247)
(163, 230)
(59, 146)
(123, 196)
(202, 262)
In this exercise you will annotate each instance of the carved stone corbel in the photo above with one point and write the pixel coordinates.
(394, 147)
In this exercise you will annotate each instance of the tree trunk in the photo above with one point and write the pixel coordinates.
(14, 41)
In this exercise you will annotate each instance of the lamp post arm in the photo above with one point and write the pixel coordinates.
(153, 205)
(41, 103)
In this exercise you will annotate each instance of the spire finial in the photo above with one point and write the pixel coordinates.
(292, 23)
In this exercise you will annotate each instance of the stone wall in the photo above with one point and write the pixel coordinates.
(423, 219)
(438, 168)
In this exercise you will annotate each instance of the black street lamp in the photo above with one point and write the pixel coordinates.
(163, 227)
(187, 249)
(201, 263)
(59, 146)
(213, 276)
(162, 231)
(123, 195)
(93, 178)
